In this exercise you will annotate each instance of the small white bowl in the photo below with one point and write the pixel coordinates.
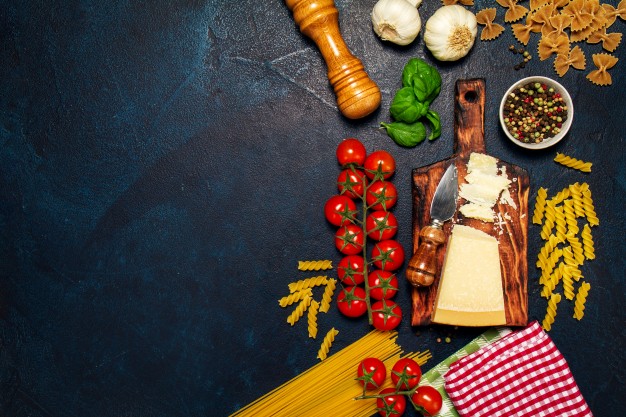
(565, 126)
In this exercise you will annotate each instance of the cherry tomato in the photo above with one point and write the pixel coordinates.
(406, 374)
(427, 400)
(381, 195)
(386, 315)
(349, 239)
(350, 269)
(351, 302)
(379, 164)
(383, 284)
(391, 405)
(372, 373)
(351, 151)
(388, 255)
(339, 210)
(351, 183)
(381, 225)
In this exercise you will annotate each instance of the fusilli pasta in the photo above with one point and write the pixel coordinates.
(550, 218)
(315, 265)
(560, 224)
(548, 320)
(570, 216)
(577, 248)
(307, 283)
(588, 245)
(312, 318)
(581, 298)
(590, 211)
(295, 297)
(540, 205)
(577, 197)
(573, 163)
(327, 343)
(298, 312)
(328, 295)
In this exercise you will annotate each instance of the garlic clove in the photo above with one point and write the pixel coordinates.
(396, 21)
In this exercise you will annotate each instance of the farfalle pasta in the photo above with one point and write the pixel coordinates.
(552, 44)
(604, 62)
(575, 59)
(610, 41)
(491, 30)
(514, 11)
(581, 17)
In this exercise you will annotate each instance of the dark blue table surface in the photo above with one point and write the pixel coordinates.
(163, 167)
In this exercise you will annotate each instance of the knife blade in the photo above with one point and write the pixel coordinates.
(423, 264)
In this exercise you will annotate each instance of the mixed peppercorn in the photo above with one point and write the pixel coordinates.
(534, 112)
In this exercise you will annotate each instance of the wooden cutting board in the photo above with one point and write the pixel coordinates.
(511, 228)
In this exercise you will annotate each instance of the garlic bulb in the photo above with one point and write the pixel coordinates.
(396, 21)
(450, 32)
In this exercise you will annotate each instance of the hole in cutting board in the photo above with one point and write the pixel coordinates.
(471, 96)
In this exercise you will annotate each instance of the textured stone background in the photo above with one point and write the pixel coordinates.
(163, 167)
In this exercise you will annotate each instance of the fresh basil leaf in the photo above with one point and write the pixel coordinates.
(406, 134)
(405, 108)
(435, 121)
(424, 78)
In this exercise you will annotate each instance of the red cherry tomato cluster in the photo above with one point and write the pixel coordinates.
(360, 212)
(405, 376)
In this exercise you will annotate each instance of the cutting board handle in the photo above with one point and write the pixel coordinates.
(469, 117)
(357, 95)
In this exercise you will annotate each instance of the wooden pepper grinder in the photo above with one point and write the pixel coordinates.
(357, 95)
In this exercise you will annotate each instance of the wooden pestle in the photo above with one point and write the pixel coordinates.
(357, 95)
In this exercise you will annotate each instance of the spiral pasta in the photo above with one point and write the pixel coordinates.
(577, 248)
(327, 343)
(560, 223)
(308, 283)
(298, 312)
(590, 211)
(548, 320)
(550, 284)
(550, 218)
(588, 245)
(551, 244)
(561, 196)
(568, 257)
(573, 163)
(295, 297)
(568, 286)
(540, 205)
(581, 298)
(312, 318)
(328, 295)
(315, 265)
(570, 216)
(577, 198)
(548, 267)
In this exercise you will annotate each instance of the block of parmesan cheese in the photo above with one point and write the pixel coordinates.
(470, 289)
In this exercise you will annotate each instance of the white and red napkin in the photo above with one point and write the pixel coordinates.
(523, 374)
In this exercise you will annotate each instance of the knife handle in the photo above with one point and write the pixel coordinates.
(423, 264)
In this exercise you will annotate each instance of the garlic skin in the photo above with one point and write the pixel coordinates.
(396, 21)
(450, 32)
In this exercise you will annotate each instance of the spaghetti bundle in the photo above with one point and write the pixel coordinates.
(329, 387)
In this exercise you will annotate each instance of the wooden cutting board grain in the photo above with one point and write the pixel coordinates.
(511, 226)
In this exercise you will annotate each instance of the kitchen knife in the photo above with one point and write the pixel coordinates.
(423, 264)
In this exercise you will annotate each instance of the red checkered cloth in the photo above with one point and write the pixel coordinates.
(523, 374)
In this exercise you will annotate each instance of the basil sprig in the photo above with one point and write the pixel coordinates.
(421, 84)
